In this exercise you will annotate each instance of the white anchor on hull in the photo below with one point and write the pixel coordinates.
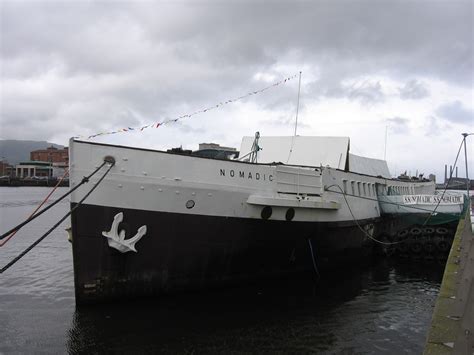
(117, 239)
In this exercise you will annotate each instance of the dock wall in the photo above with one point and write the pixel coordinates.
(452, 325)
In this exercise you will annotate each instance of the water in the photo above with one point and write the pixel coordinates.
(382, 308)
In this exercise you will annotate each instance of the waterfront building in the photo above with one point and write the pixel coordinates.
(51, 154)
(34, 168)
(5, 168)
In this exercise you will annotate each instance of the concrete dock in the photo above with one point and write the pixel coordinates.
(452, 325)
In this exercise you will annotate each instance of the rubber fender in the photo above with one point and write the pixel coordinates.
(441, 231)
(443, 246)
(415, 231)
(428, 230)
(429, 246)
(416, 247)
(402, 234)
(436, 240)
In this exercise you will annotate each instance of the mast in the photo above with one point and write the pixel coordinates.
(468, 183)
(298, 103)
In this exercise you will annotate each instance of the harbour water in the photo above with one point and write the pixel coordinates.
(383, 307)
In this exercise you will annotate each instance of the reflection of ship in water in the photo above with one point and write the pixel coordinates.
(357, 310)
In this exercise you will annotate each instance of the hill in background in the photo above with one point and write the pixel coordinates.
(15, 151)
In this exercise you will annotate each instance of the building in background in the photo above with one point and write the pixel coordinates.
(29, 169)
(58, 160)
(213, 150)
(58, 170)
(453, 182)
(5, 168)
(51, 155)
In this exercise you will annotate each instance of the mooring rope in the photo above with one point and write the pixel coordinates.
(3, 242)
(446, 187)
(355, 220)
(24, 252)
(84, 180)
(313, 259)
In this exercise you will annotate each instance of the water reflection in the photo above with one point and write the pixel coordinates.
(381, 308)
(384, 307)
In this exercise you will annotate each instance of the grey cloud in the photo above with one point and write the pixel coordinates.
(186, 128)
(286, 121)
(398, 125)
(159, 59)
(94, 36)
(367, 92)
(413, 90)
(455, 112)
(432, 126)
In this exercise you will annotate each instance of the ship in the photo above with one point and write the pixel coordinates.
(168, 221)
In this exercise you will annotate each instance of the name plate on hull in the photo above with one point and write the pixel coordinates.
(432, 199)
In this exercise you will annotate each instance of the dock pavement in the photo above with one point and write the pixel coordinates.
(452, 325)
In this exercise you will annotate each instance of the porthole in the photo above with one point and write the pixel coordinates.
(266, 212)
(290, 214)
(190, 204)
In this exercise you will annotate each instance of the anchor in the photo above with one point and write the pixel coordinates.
(117, 239)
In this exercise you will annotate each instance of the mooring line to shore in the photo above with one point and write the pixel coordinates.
(366, 198)
(447, 184)
(24, 252)
(355, 220)
(313, 259)
(84, 180)
(3, 242)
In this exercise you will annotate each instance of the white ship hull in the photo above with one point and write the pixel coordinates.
(210, 221)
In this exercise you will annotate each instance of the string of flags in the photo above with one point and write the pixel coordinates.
(173, 120)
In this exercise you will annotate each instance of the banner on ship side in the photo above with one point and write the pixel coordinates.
(432, 199)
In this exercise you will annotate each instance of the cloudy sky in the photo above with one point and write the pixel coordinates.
(368, 67)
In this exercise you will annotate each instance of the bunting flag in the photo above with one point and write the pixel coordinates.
(173, 120)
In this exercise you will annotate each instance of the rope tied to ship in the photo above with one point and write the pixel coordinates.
(4, 241)
(24, 252)
(355, 219)
(315, 268)
(84, 180)
(446, 187)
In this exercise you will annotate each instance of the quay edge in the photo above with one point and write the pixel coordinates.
(452, 324)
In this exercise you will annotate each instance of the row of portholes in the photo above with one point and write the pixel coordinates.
(267, 213)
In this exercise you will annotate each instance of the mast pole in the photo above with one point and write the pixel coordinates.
(298, 103)
(468, 183)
